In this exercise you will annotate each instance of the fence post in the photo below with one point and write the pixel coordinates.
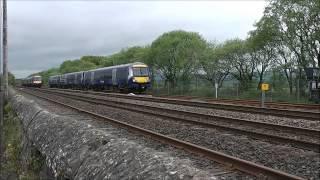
(237, 90)
(263, 96)
(216, 87)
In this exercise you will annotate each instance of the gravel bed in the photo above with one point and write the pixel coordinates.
(239, 125)
(258, 105)
(303, 123)
(292, 160)
(202, 164)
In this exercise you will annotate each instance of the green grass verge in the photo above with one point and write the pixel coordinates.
(12, 166)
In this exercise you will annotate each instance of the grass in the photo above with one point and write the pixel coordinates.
(13, 166)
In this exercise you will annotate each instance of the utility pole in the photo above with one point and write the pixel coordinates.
(5, 51)
(1, 99)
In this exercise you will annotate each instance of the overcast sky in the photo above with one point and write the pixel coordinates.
(42, 34)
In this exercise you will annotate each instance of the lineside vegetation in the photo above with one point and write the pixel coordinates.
(284, 42)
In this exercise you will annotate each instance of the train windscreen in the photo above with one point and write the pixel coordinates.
(37, 78)
(140, 71)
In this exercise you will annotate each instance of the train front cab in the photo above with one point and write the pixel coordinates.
(139, 78)
(36, 81)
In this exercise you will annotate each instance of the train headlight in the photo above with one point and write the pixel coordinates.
(133, 80)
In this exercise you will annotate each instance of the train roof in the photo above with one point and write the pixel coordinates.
(117, 66)
(103, 68)
(73, 73)
(32, 76)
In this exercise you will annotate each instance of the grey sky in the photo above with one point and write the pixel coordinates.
(42, 34)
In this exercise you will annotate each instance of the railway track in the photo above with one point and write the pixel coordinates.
(290, 113)
(303, 138)
(231, 162)
(281, 105)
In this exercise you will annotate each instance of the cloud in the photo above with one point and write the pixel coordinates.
(42, 34)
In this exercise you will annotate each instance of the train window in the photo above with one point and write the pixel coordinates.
(37, 78)
(140, 71)
(314, 85)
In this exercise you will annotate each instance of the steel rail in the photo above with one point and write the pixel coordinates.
(249, 102)
(309, 115)
(230, 161)
(304, 131)
(144, 109)
(280, 104)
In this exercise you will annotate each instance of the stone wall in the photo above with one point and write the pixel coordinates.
(77, 150)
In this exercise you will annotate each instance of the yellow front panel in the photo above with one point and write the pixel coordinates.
(141, 79)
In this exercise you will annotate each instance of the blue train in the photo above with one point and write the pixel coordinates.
(133, 77)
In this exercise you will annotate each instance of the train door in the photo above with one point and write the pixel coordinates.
(86, 80)
(82, 79)
(114, 77)
(75, 81)
(92, 78)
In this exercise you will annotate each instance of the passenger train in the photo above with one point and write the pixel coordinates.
(133, 77)
(32, 81)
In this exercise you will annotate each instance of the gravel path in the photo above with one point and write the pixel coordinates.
(202, 164)
(285, 158)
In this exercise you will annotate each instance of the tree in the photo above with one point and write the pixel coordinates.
(287, 61)
(96, 60)
(133, 54)
(243, 66)
(298, 26)
(11, 79)
(76, 65)
(46, 74)
(214, 64)
(261, 47)
(294, 26)
(175, 54)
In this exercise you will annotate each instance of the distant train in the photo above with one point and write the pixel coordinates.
(32, 81)
(133, 77)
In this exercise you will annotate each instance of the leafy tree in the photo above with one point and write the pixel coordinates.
(295, 27)
(76, 65)
(261, 46)
(11, 79)
(174, 55)
(298, 24)
(46, 74)
(214, 64)
(243, 66)
(129, 55)
(96, 60)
